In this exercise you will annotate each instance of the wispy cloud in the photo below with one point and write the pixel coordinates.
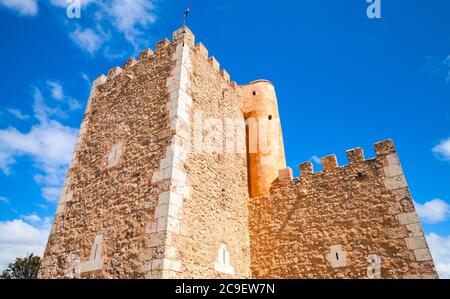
(132, 17)
(57, 93)
(18, 114)
(56, 90)
(442, 150)
(5, 200)
(86, 78)
(114, 20)
(440, 250)
(434, 211)
(48, 143)
(22, 7)
(437, 66)
(88, 39)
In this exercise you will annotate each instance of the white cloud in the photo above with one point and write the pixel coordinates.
(57, 93)
(127, 17)
(6, 160)
(41, 110)
(442, 150)
(132, 16)
(19, 238)
(447, 61)
(56, 90)
(52, 194)
(49, 144)
(440, 250)
(316, 160)
(434, 211)
(5, 200)
(86, 78)
(23, 7)
(18, 114)
(88, 39)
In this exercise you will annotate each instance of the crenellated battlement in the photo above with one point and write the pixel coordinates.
(215, 64)
(161, 45)
(330, 163)
(350, 221)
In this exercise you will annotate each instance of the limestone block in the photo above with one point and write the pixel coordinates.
(394, 168)
(415, 230)
(408, 218)
(168, 210)
(394, 183)
(170, 197)
(157, 239)
(422, 255)
(416, 243)
(337, 257)
(166, 264)
(168, 224)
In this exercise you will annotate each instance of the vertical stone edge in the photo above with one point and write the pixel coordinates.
(395, 181)
(171, 176)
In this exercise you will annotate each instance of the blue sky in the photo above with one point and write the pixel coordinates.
(343, 80)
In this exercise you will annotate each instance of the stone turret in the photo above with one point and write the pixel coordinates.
(264, 135)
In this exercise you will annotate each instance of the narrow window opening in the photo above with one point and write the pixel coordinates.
(223, 256)
(337, 256)
(254, 93)
(95, 252)
(270, 117)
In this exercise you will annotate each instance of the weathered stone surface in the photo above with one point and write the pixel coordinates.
(143, 200)
(348, 214)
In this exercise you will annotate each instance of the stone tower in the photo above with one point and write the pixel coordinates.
(151, 192)
(180, 173)
(264, 135)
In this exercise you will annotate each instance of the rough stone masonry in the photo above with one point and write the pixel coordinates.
(167, 181)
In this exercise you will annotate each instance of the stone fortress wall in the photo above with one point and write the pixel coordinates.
(355, 221)
(163, 184)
